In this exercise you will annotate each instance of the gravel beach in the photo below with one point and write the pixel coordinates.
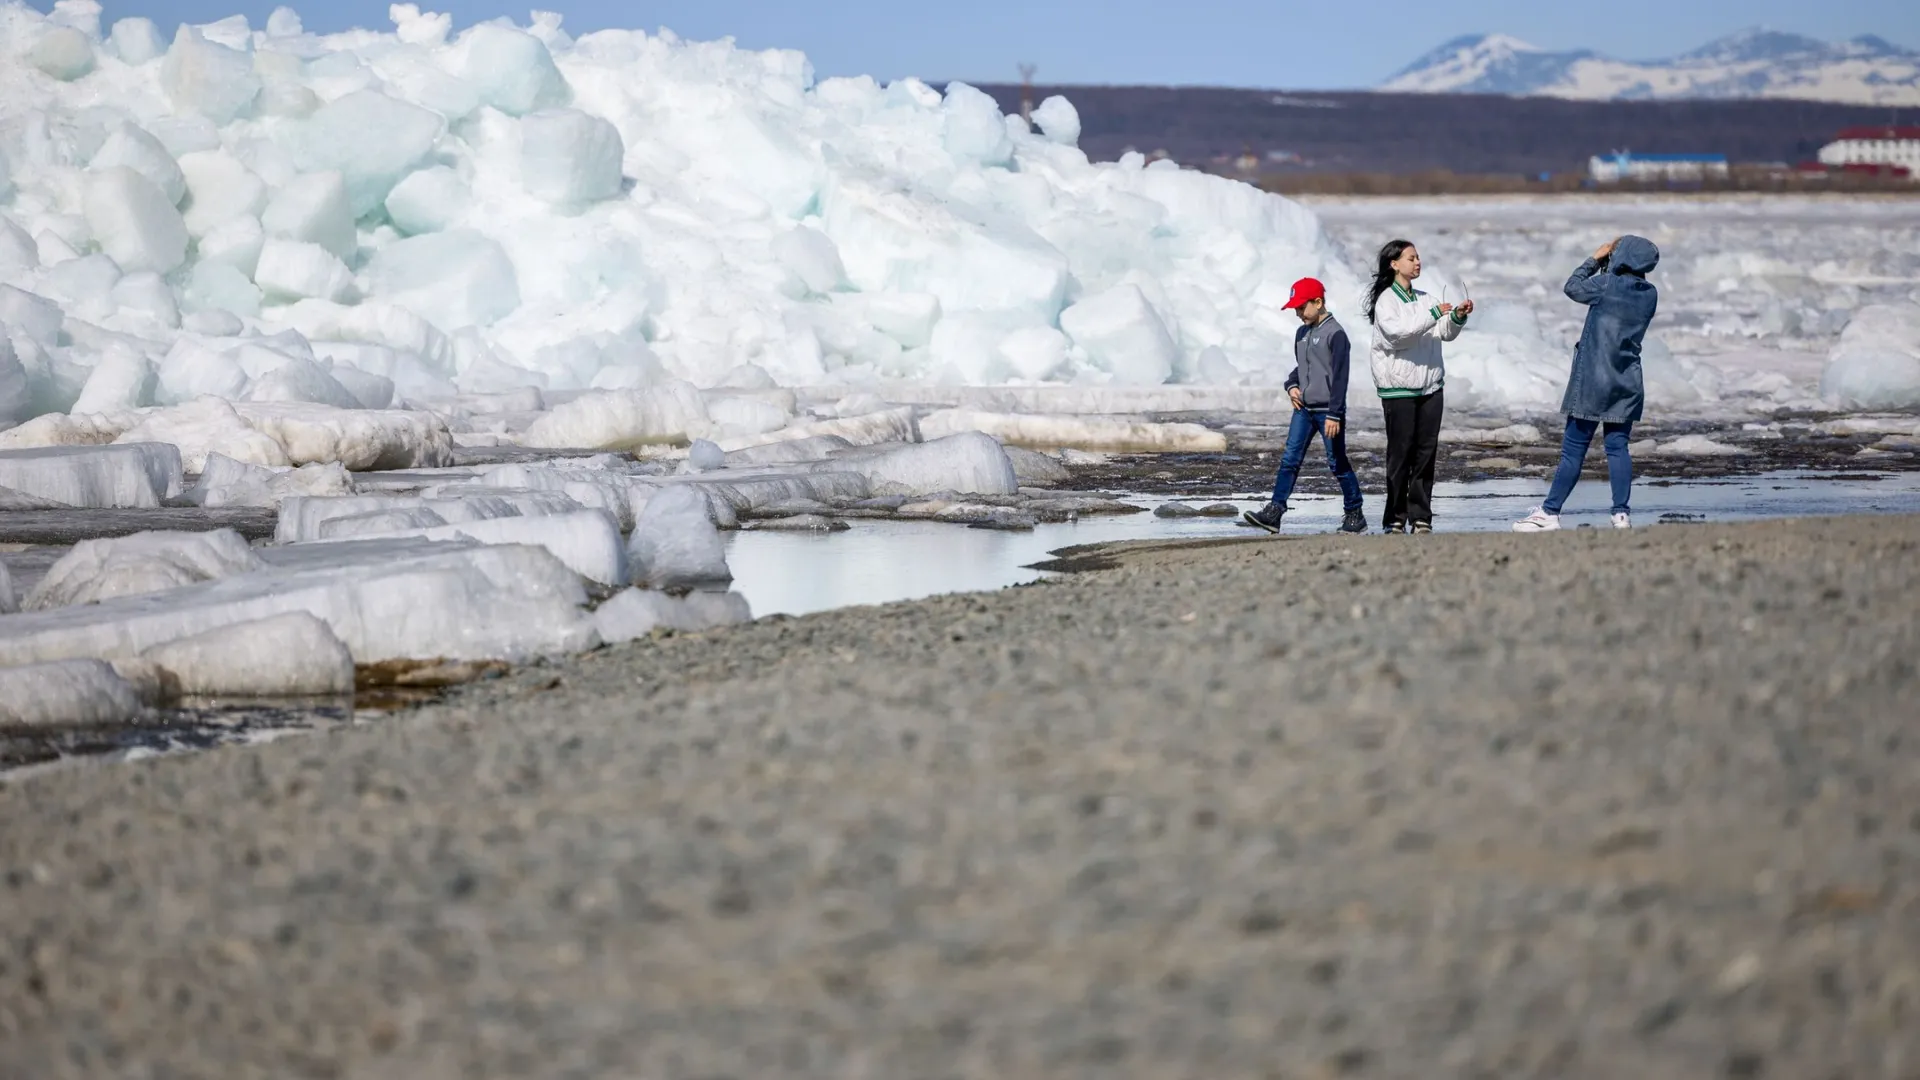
(1592, 804)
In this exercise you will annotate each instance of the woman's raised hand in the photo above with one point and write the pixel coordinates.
(1605, 249)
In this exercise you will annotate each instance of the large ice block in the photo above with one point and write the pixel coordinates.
(968, 462)
(675, 544)
(360, 439)
(64, 693)
(635, 613)
(586, 541)
(885, 426)
(290, 655)
(226, 482)
(132, 475)
(301, 517)
(670, 414)
(386, 600)
(96, 570)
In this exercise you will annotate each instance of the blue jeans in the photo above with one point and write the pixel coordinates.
(1306, 424)
(1573, 453)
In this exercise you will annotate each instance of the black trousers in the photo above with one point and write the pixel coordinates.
(1413, 442)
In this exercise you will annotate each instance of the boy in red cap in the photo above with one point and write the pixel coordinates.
(1318, 387)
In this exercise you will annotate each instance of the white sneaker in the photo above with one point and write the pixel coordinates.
(1622, 521)
(1538, 521)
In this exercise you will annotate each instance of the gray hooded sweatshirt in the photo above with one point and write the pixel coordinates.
(1606, 384)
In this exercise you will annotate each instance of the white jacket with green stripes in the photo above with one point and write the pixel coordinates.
(1407, 331)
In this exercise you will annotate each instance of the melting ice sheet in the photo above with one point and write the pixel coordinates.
(878, 562)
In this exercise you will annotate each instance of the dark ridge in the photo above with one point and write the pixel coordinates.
(1358, 131)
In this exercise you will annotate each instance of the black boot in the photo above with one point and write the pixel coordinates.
(1267, 517)
(1354, 522)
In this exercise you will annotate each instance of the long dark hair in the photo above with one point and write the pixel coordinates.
(1383, 274)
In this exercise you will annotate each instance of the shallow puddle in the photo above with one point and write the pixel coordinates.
(878, 562)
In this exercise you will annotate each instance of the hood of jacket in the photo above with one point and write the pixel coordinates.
(1635, 255)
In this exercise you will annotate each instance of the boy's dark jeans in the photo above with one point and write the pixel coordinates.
(1306, 424)
(1413, 443)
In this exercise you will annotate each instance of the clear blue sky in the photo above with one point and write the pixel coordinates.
(1257, 43)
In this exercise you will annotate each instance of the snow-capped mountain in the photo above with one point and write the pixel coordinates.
(1755, 63)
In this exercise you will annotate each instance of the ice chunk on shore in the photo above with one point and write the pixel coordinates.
(671, 414)
(9, 603)
(872, 429)
(130, 145)
(635, 613)
(570, 158)
(453, 279)
(745, 415)
(812, 258)
(134, 221)
(97, 570)
(191, 370)
(675, 544)
(1058, 120)
(362, 440)
(705, 456)
(200, 76)
(95, 477)
(369, 391)
(229, 257)
(219, 190)
(1876, 363)
(1697, 446)
(585, 541)
(512, 69)
(226, 482)
(430, 200)
(970, 462)
(123, 379)
(313, 209)
(18, 252)
(290, 655)
(1078, 432)
(16, 392)
(371, 139)
(63, 53)
(304, 518)
(1035, 469)
(302, 380)
(203, 426)
(1123, 334)
(65, 692)
(137, 40)
(386, 600)
(289, 270)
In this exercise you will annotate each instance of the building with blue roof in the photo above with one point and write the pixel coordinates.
(1626, 165)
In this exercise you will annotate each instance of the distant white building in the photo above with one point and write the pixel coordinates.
(1621, 165)
(1884, 147)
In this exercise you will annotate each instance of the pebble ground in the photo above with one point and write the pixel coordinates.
(1584, 805)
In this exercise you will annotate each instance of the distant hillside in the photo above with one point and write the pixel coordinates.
(1406, 133)
(1751, 64)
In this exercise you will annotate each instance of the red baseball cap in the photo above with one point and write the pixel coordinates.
(1304, 290)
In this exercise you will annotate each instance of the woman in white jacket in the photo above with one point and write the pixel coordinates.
(1408, 371)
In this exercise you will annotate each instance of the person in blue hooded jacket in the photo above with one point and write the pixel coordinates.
(1605, 391)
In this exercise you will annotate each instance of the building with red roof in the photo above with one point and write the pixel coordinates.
(1892, 150)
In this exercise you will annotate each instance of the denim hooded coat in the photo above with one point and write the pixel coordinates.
(1606, 384)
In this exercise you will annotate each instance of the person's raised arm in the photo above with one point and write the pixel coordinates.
(1587, 281)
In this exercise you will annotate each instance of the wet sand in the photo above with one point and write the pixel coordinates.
(1583, 805)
